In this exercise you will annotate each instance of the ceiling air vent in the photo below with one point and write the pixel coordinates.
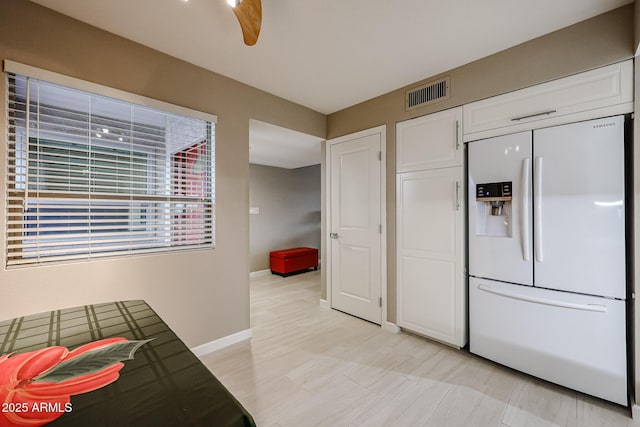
(427, 94)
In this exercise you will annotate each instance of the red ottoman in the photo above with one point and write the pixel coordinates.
(289, 261)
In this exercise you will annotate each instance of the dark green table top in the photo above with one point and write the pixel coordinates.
(164, 385)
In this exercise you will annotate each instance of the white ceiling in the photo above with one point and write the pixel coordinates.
(272, 145)
(330, 54)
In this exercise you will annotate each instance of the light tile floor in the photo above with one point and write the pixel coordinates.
(311, 366)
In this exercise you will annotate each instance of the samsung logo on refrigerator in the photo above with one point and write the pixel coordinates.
(604, 125)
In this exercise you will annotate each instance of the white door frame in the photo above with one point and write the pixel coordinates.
(382, 131)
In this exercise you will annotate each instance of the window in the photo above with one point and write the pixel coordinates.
(93, 176)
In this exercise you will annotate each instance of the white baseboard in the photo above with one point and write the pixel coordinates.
(221, 343)
(259, 273)
(391, 327)
(635, 414)
(324, 303)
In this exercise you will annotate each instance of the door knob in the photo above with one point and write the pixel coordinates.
(334, 235)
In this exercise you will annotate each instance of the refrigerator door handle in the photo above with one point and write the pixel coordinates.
(537, 213)
(545, 301)
(524, 209)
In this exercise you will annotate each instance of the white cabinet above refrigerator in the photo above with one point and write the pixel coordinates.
(601, 92)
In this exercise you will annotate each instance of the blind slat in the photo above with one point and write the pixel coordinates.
(90, 176)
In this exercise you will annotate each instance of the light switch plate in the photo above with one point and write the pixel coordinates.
(254, 211)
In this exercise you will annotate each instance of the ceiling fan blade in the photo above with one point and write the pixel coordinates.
(249, 14)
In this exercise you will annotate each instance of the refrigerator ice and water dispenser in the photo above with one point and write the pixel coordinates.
(493, 216)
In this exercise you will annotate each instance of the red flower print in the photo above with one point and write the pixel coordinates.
(36, 387)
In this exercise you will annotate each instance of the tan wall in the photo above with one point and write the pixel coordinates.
(203, 295)
(599, 41)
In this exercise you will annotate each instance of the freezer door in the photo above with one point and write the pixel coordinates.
(579, 211)
(577, 341)
(500, 246)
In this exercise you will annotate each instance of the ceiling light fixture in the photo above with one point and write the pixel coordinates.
(249, 14)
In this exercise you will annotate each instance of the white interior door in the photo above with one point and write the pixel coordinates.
(355, 226)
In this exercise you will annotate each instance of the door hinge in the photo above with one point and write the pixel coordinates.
(380, 302)
(380, 228)
(380, 156)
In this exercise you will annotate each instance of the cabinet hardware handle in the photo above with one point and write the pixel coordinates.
(457, 195)
(457, 134)
(528, 116)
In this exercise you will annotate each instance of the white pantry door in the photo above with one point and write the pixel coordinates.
(355, 226)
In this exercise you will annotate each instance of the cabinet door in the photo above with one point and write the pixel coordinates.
(429, 142)
(430, 233)
(602, 92)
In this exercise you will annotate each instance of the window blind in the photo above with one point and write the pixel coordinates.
(92, 176)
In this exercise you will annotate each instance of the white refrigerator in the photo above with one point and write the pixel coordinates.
(547, 254)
